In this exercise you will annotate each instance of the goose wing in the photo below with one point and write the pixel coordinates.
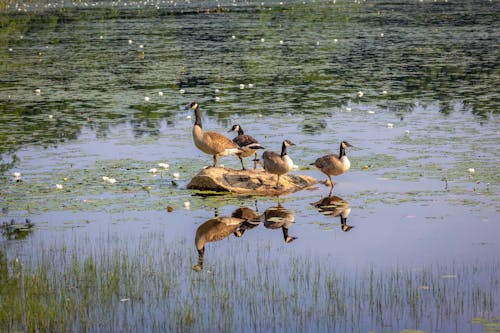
(218, 141)
(327, 161)
(244, 140)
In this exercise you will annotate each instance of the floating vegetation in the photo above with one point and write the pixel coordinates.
(16, 230)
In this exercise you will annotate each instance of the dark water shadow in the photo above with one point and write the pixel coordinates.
(335, 206)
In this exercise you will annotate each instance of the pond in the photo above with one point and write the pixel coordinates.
(93, 97)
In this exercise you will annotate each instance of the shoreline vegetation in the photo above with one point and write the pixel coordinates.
(154, 288)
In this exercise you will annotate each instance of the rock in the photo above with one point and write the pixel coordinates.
(248, 182)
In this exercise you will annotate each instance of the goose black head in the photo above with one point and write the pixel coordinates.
(235, 128)
(194, 105)
(345, 144)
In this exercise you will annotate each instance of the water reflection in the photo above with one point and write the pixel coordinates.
(241, 220)
(221, 227)
(280, 217)
(335, 206)
(17, 230)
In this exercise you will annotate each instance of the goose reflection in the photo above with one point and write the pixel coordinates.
(280, 217)
(335, 206)
(221, 227)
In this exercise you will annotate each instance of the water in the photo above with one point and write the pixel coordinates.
(411, 85)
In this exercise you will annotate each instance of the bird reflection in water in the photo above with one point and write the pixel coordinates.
(280, 217)
(221, 227)
(335, 206)
(241, 220)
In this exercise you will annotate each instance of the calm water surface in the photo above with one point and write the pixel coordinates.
(91, 90)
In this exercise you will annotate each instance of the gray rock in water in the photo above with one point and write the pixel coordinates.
(248, 182)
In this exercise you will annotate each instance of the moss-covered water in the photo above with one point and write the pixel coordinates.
(92, 100)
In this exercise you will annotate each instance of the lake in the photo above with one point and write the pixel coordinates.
(93, 97)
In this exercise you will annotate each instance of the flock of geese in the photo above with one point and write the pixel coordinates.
(243, 145)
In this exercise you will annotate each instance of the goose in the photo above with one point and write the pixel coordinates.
(335, 206)
(333, 165)
(278, 164)
(280, 217)
(211, 143)
(213, 230)
(245, 141)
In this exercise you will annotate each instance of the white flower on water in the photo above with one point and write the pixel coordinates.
(130, 41)
(242, 86)
(348, 109)
(160, 93)
(390, 125)
(141, 46)
(281, 42)
(407, 132)
(176, 175)
(163, 165)
(217, 98)
(471, 171)
(146, 99)
(17, 175)
(182, 91)
(38, 91)
(250, 85)
(384, 92)
(187, 204)
(360, 94)
(153, 170)
(371, 112)
(262, 40)
(335, 40)
(108, 179)
(59, 186)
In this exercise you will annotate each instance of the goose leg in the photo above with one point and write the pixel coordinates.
(242, 166)
(277, 183)
(255, 162)
(215, 160)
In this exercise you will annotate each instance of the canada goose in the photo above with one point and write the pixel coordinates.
(278, 164)
(335, 206)
(243, 140)
(332, 165)
(213, 230)
(211, 143)
(280, 217)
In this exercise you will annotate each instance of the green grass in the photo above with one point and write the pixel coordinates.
(112, 287)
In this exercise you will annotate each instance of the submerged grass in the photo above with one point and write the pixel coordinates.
(152, 287)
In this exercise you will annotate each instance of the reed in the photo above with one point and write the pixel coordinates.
(152, 287)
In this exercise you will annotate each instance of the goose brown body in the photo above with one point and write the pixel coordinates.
(278, 164)
(211, 143)
(334, 165)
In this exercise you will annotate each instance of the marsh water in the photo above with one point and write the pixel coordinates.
(98, 89)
